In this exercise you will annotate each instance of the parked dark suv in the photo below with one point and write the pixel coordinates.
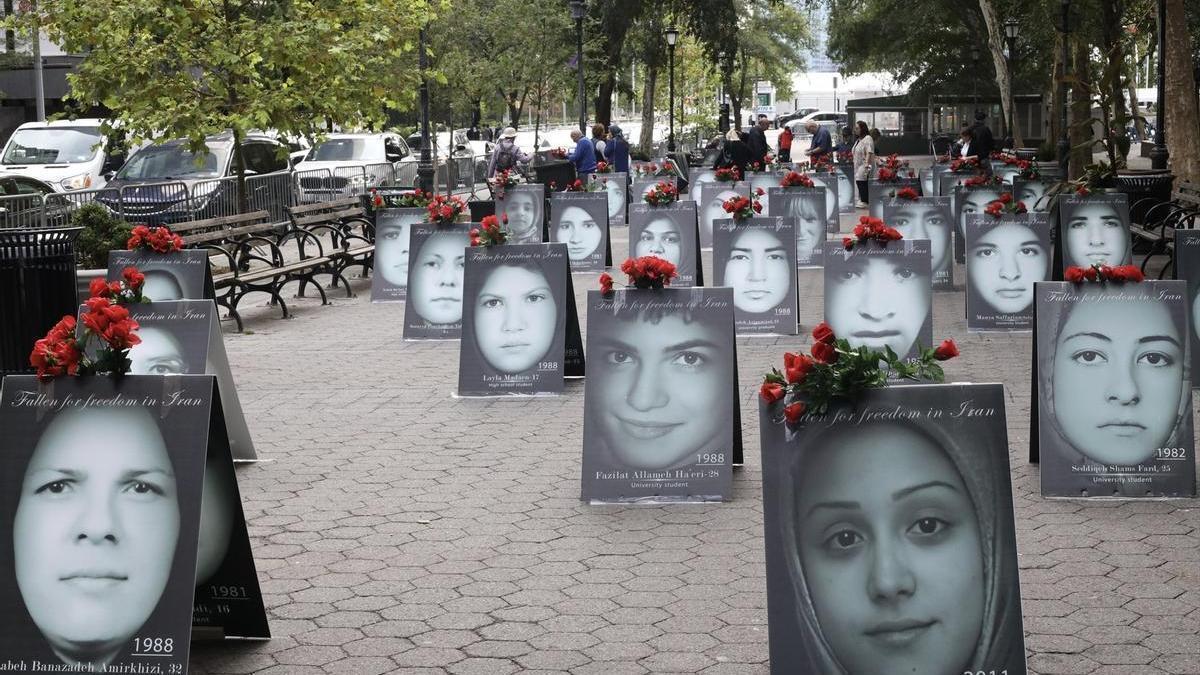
(167, 183)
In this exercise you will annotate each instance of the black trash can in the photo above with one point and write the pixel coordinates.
(37, 288)
(557, 171)
(1142, 184)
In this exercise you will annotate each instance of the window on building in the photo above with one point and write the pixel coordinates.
(764, 100)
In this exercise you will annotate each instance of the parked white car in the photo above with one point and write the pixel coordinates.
(68, 155)
(346, 165)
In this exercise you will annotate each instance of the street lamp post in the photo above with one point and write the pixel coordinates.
(1159, 154)
(975, 78)
(578, 11)
(425, 169)
(672, 37)
(1064, 141)
(1011, 30)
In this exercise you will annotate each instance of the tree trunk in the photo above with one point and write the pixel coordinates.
(1082, 136)
(516, 105)
(239, 167)
(1054, 130)
(1003, 77)
(1183, 110)
(649, 79)
(1112, 15)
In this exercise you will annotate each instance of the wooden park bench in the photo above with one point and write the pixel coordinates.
(246, 256)
(1161, 219)
(343, 226)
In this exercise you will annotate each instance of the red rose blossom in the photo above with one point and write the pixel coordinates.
(794, 411)
(824, 352)
(771, 392)
(824, 333)
(946, 351)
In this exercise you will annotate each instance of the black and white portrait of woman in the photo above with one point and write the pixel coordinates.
(435, 281)
(879, 296)
(756, 258)
(1005, 257)
(1114, 389)
(170, 276)
(393, 228)
(806, 208)
(830, 182)
(1095, 230)
(968, 200)
(580, 220)
(174, 340)
(667, 232)
(523, 206)
(766, 181)
(880, 193)
(927, 218)
(659, 392)
(514, 326)
(616, 185)
(845, 188)
(714, 196)
(891, 546)
(101, 507)
(698, 178)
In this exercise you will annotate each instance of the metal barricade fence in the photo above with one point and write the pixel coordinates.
(21, 211)
(272, 193)
(153, 203)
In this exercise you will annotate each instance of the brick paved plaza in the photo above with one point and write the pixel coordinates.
(398, 529)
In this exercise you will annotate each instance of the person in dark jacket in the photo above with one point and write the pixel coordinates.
(734, 153)
(756, 139)
(982, 142)
(616, 150)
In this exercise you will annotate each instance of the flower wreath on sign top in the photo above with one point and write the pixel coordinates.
(965, 165)
(501, 182)
(645, 169)
(843, 156)
(727, 174)
(740, 208)
(444, 210)
(413, 199)
(646, 272)
(105, 320)
(907, 193)
(603, 167)
(796, 179)
(983, 179)
(834, 370)
(662, 194)
(1005, 205)
(489, 233)
(156, 239)
(892, 169)
(767, 164)
(1104, 273)
(871, 229)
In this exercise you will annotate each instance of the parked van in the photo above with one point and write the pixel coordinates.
(68, 155)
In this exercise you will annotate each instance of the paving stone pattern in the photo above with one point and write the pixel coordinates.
(399, 529)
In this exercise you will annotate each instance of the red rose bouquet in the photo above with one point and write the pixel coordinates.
(871, 229)
(741, 208)
(559, 153)
(156, 239)
(892, 169)
(907, 193)
(501, 182)
(982, 179)
(821, 164)
(662, 194)
(413, 199)
(646, 272)
(489, 232)
(834, 370)
(1027, 170)
(106, 321)
(966, 165)
(843, 156)
(728, 174)
(444, 210)
(1005, 205)
(795, 179)
(603, 167)
(1102, 273)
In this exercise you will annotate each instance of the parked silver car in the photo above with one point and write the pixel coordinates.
(347, 165)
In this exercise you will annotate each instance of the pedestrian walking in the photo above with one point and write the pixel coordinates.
(864, 158)
(785, 145)
(982, 142)
(756, 140)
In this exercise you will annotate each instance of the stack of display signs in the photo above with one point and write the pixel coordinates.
(698, 178)
(832, 182)
(181, 330)
(1006, 256)
(755, 257)
(929, 218)
(1187, 268)
(434, 309)
(668, 232)
(120, 587)
(879, 192)
(642, 185)
(1094, 230)
(890, 541)
(520, 328)
(1033, 193)
(970, 199)
(523, 206)
(765, 181)
(879, 295)
(661, 419)
(580, 220)
(712, 200)
(1113, 413)
(805, 208)
(846, 187)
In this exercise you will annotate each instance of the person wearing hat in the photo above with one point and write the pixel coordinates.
(506, 155)
(734, 153)
(616, 150)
